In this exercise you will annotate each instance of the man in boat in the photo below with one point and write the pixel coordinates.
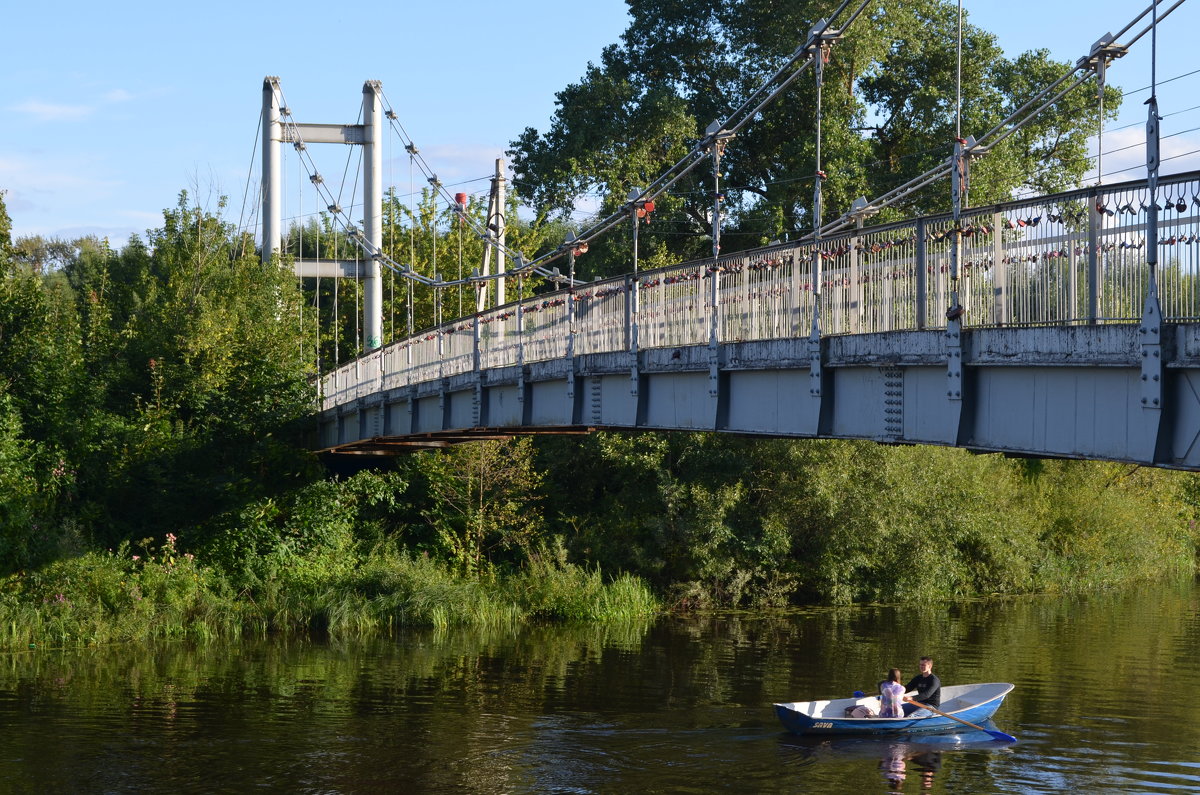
(928, 687)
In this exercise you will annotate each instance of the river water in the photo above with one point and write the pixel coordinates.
(1105, 701)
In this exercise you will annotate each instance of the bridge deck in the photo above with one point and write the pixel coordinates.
(1061, 351)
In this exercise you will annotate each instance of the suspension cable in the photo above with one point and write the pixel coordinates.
(249, 173)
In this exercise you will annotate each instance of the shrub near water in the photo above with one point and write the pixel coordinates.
(392, 588)
(122, 596)
(117, 596)
(550, 587)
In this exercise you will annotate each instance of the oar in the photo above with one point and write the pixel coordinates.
(999, 735)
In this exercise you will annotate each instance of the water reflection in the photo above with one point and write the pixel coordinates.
(903, 760)
(680, 705)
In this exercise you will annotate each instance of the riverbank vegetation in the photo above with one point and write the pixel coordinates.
(156, 402)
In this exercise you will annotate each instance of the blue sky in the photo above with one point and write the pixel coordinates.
(109, 112)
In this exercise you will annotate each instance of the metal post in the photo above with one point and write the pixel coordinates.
(1095, 220)
(923, 275)
(475, 346)
(521, 323)
(372, 213)
(1001, 313)
(718, 145)
(954, 314)
(628, 312)
(819, 68)
(633, 297)
(411, 296)
(501, 230)
(272, 134)
(815, 330)
(714, 283)
(437, 314)
(1152, 161)
(956, 189)
(571, 303)
(856, 302)
(489, 242)
(1101, 73)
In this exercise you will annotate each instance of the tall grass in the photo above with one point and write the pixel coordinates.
(113, 597)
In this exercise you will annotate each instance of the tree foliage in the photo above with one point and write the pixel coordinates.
(718, 520)
(888, 113)
(149, 388)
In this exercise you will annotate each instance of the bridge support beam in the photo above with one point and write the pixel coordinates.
(272, 194)
(369, 135)
(372, 109)
(1153, 379)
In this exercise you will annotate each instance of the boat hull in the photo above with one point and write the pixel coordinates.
(971, 703)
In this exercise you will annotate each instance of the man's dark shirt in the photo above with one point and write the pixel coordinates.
(929, 689)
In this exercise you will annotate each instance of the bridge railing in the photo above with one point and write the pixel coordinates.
(601, 316)
(1069, 258)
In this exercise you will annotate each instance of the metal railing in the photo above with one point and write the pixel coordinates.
(1071, 258)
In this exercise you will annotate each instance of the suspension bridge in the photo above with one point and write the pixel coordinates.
(1065, 325)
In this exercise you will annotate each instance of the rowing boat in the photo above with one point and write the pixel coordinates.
(972, 703)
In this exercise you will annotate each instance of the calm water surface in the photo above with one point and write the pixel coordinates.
(1105, 701)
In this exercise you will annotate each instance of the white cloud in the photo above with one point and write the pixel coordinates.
(48, 111)
(52, 111)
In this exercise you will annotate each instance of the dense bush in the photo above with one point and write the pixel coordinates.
(724, 521)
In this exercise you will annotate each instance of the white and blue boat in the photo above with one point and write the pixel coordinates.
(969, 703)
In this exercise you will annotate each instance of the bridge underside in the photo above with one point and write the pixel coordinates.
(1102, 392)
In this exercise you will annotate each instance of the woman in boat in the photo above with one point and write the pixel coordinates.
(891, 696)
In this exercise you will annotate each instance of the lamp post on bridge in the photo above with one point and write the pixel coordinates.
(574, 248)
(718, 137)
(639, 208)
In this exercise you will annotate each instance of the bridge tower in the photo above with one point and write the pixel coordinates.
(278, 128)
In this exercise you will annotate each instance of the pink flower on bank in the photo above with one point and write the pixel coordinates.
(136, 558)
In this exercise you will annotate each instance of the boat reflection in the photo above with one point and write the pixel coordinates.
(904, 760)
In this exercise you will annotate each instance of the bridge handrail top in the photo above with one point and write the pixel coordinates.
(828, 241)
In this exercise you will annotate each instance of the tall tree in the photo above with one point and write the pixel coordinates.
(888, 111)
(5, 232)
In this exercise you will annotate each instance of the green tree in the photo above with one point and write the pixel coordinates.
(888, 114)
(5, 232)
(198, 380)
(480, 504)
